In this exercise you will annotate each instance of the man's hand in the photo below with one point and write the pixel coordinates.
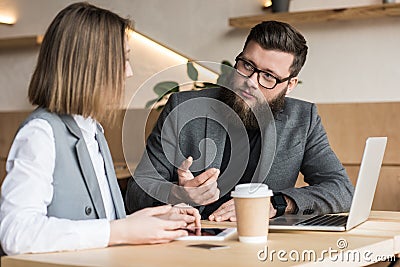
(225, 212)
(272, 211)
(291, 207)
(201, 189)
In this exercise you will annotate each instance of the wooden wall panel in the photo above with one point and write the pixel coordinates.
(136, 127)
(388, 189)
(2, 169)
(348, 126)
(9, 124)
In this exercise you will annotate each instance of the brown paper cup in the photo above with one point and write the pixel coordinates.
(252, 212)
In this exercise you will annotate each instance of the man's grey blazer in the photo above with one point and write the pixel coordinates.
(192, 124)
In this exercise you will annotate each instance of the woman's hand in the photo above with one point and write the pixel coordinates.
(153, 225)
(191, 215)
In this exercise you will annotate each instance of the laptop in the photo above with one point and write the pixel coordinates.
(361, 203)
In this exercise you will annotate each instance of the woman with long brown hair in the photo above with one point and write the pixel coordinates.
(60, 192)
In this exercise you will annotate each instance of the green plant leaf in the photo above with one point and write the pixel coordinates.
(192, 72)
(226, 67)
(226, 62)
(223, 79)
(175, 89)
(163, 88)
(160, 107)
(209, 85)
(150, 103)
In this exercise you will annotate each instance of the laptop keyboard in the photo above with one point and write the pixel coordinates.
(325, 220)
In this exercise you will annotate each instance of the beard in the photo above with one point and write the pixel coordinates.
(247, 113)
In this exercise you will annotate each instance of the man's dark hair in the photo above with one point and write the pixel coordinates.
(280, 36)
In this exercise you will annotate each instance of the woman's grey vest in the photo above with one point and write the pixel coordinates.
(76, 193)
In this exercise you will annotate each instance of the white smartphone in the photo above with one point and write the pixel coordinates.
(212, 234)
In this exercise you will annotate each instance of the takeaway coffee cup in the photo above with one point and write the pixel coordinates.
(252, 203)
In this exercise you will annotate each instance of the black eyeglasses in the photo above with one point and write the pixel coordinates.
(265, 79)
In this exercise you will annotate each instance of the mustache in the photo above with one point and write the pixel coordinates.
(256, 93)
(258, 97)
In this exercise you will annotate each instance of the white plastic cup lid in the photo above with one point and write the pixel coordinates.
(251, 190)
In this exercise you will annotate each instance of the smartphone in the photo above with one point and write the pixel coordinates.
(208, 233)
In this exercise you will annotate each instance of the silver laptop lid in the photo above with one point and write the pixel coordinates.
(366, 181)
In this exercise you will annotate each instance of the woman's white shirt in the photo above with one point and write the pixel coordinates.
(27, 190)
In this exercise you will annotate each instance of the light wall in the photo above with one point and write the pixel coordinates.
(354, 61)
(349, 61)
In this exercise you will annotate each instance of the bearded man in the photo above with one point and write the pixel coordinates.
(247, 130)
